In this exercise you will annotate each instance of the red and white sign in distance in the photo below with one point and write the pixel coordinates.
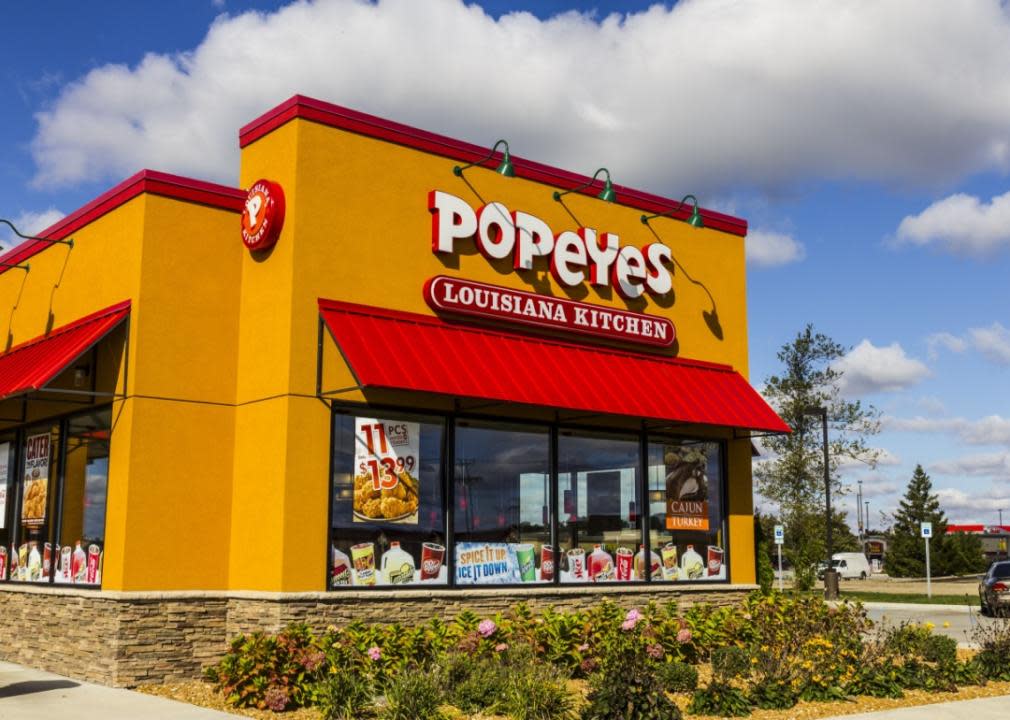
(479, 300)
(263, 215)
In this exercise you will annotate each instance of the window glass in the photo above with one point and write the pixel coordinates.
(31, 553)
(80, 549)
(685, 510)
(502, 515)
(599, 525)
(8, 457)
(387, 523)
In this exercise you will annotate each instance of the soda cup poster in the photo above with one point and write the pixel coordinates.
(486, 564)
(387, 487)
(36, 484)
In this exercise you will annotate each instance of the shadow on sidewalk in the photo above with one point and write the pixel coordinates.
(35, 686)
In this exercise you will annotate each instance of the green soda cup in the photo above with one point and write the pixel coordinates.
(527, 562)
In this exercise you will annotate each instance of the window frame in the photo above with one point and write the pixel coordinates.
(554, 428)
(62, 423)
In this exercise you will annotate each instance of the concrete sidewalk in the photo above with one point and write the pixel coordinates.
(27, 694)
(994, 708)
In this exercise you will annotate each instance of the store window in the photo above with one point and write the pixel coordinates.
(80, 549)
(501, 483)
(599, 518)
(686, 510)
(31, 553)
(8, 458)
(387, 519)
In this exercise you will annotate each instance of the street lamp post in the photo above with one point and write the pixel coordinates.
(830, 574)
(859, 510)
(867, 516)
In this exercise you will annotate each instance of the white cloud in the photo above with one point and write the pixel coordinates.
(961, 224)
(29, 223)
(768, 249)
(710, 108)
(990, 430)
(946, 341)
(977, 507)
(870, 369)
(884, 458)
(993, 342)
(994, 465)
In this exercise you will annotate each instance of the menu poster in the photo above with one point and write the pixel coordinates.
(4, 456)
(686, 488)
(36, 485)
(386, 460)
(486, 563)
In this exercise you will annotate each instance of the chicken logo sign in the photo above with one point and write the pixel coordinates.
(262, 215)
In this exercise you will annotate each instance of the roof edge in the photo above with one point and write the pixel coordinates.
(337, 116)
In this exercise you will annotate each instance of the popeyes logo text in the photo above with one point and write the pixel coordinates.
(262, 215)
(573, 256)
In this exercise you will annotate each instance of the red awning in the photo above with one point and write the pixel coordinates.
(33, 364)
(404, 351)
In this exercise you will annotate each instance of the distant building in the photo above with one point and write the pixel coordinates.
(994, 538)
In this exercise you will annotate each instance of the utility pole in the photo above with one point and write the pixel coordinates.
(867, 517)
(830, 575)
(859, 509)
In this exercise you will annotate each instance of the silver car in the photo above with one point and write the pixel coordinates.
(994, 590)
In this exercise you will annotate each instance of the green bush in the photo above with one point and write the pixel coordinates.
(677, 677)
(343, 695)
(939, 649)
(719, 698)
(472, 684)
(412, 696)
(627, 687)
(993, 659)
(729, 663)
(773, 695)
(537, 692)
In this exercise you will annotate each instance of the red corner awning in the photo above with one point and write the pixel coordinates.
(33, 364)
(405, 351)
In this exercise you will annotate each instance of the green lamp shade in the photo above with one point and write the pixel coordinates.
(695, 220)
(607, 193)
(506, 168)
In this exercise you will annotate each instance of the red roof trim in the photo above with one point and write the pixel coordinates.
(398, 350)
(31, 365)
(344, 118)
(145, 181)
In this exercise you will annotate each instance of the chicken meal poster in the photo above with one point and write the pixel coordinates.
(386, 459)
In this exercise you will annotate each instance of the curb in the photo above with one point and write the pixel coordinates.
(964, 609)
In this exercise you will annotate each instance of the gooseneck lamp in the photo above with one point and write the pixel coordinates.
(607, 194)
(505, 168)
(694, 221)
(17, 232)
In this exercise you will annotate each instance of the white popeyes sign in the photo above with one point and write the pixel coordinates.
(574, 256)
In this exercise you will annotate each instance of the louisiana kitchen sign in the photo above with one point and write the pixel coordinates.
(573, 258)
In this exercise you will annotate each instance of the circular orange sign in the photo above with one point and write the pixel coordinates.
(262, 215)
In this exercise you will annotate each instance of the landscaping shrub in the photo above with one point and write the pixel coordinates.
(472, 684)
(719, 698)
(275, 672)
(412, 696)
(677, 676)
(730, 662)
(537, 692)
(343, 695)
(993, 660)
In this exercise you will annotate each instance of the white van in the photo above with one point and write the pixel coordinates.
(851, 565)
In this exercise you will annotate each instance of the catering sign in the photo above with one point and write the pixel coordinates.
(36, 481)
(573, 256)
(386, 477)
(474, 299)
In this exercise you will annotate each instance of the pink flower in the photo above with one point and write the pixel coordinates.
(374, 652)
(583, 647)
(276, 699)
(655, 651)
(486, 628)
(684, 636)
(628, 625)
(501, 647)
(633, 615)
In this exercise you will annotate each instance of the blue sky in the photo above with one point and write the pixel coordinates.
(867, 143)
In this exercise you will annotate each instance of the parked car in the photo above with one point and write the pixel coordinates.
(849, 565)
(994, 590)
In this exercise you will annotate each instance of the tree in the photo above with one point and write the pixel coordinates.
(793, 477)
(949, 554)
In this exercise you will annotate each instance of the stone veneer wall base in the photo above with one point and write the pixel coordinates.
(126, 639)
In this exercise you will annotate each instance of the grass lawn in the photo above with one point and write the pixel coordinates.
(919, 598)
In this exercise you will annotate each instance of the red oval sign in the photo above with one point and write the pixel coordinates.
(263, 215)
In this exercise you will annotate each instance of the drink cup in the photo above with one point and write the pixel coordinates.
(65, 554)
(91, 574)
(670, 568)
(546, 563)
(47, 558)
(577, 564)
(526, 559)
(625, 563)
(715, 558)
(363, 558)
(432, 556)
